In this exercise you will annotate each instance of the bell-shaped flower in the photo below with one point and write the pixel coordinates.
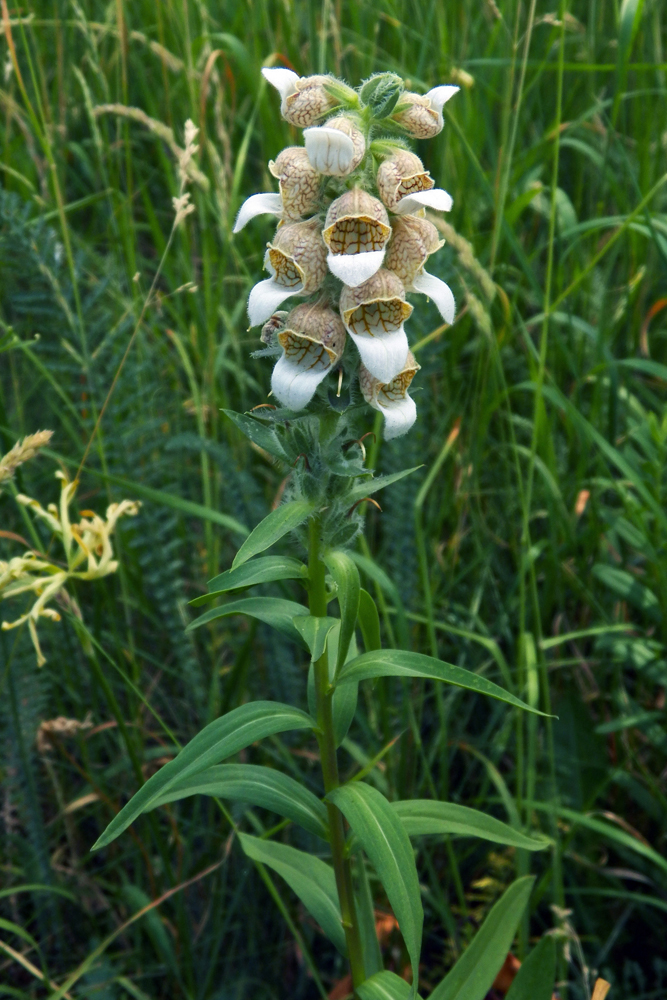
(312, 340)
(298, 181)
(412, 242)
(356, 231)
(337, 148)
(400, 175)
(421, 115)
(299, 185)
(391, 398)
(374, 314)
(297, 262)
(304, 99)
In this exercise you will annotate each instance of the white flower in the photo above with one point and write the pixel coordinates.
(304, 100)
(413, 240)
(297, 262)
(402, 174)
(391, 398)
(374, 313)
(356, 231)
(421, 115)
(337, 148)
(312, 340)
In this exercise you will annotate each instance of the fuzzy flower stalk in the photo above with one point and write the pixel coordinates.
(352, 241)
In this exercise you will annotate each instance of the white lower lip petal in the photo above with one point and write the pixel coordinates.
(436, 199)
(384, 355)
(439, 292)
(258, 204)
(355, 268)
(265, 297)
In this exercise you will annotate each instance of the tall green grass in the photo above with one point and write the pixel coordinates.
(531, 546)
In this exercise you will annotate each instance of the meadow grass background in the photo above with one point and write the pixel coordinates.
(530, 546)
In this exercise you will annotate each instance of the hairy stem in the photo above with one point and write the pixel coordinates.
(329, 760)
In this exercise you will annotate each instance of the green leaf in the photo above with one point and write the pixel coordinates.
(422, 817)
(269, 531)
(370, 945)
(386, 843)
(629, 588)
(255, 431)
(311, 879)
(473, 975)
(369, 621)
(266, 569)
(400, 663)
(314, 630)
(536, 978)
(220, 739)
(259, 786)
(384, 985)
(344, 704)
(273, 611)
(346, 578)
(371, 485)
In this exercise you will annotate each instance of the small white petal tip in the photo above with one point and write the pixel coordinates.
(440, 95)
(384, 355)
(284, 80)
(329, 150)
(441, 294)
(257, 204)
(355, 268)
(399, 417)
(293, 386)
(436, 199)
(265, 297)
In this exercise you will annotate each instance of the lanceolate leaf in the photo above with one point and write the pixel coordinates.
(400, 663)
(384, 986)
(273, 611)
(346, 577)
(264, 437)
(370, 945)
(425, 816)
(259, 786)
(314, 630)
(369, 621)
(278, 523)
(473, 975)
(373, 485)
(629, 588)
(311, 879)
(535, 979)
(266, 569)
(386, 843)
(220, 739)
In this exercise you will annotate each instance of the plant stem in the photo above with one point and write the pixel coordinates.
(329, 761)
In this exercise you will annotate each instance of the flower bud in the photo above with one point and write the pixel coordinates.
(373, 314)
(298, 181)
(313, 339)
(421, 116)
(400, 175)
(337, 148)
(413, 240)
(298, 256)
(304, 100)
(391, 398)
(273, 324)
(356, 224)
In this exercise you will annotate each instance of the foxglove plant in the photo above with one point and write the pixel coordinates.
(352, 240)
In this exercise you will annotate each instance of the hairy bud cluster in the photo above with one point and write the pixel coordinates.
(351, 210)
